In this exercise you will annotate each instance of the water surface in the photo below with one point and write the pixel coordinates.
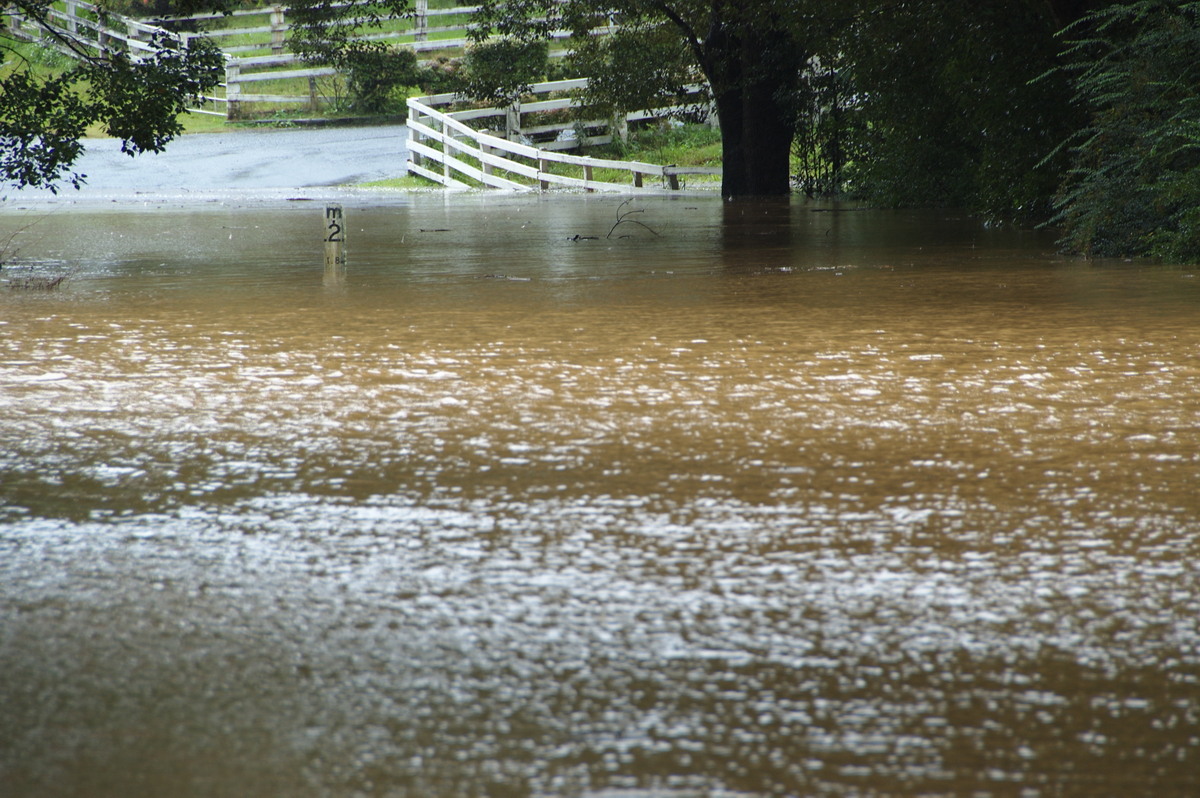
(719, 500)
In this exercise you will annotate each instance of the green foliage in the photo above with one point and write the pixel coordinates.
(334, 34)
(443, 75)
(750, 53)
(331, 33)
(679, 144)
(526, 20)
(338, 35)
(44, 114)
(638, 67)
(41, 124)
(375, 75)
(159, 9)
(950, 113)
(501, 70)
(1134, 185)
(140, 101)
(829, 131)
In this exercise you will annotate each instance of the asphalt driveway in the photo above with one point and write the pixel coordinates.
(247, 161)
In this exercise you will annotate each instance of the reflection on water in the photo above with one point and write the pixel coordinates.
(743, 502)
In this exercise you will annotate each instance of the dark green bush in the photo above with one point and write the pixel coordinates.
(443, 76)
(634, 68)
(375, 76)
(1134, 185)
(948, 109)
(501, 70)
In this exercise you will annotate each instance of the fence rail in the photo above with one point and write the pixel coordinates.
(443, 148)
(282, 78)
(419, 32)
(261, 71)
(86, 29)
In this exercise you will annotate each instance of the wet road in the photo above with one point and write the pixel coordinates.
(242, 161)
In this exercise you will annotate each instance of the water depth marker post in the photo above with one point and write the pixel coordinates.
(335, 239)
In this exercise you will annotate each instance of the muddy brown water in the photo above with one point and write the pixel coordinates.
(739, 501)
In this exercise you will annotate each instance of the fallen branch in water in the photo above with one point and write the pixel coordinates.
(622, 218)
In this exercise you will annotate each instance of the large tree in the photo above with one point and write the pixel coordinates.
(750, 52)
(136, 96)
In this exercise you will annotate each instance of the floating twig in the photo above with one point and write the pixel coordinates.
(622, 218)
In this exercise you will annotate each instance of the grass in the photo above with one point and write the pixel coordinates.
(205, 123)
(664, 144)
(406, 183)
(687, 145)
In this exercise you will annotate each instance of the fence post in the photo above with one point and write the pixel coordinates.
(278, 29)
(422, 19)
(134, 32)
(512, 121)
(102, 36)
(413, 137)
(335, 245)
(314, 102)
(72, 9)
(233, 88)
(484, 166)
(414, 116)
(335, 237)
(620, 127)
(543, 164)
(445, 153)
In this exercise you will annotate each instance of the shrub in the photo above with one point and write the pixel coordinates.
(501, 70)
(373, 77)
(1134, 186)
(634, 68)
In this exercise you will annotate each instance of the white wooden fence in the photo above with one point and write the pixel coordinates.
(273, 27)
(270, 76)
(84, 28)
(260, 78)
(443, 148)
(272, 71)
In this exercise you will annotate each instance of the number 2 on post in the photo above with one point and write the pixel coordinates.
(334, 217)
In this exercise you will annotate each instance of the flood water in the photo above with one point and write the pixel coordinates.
(739, 501)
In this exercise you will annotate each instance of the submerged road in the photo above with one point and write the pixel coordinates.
(250, 161)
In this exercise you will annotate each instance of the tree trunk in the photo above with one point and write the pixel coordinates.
(753, 79)
(756, 145)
